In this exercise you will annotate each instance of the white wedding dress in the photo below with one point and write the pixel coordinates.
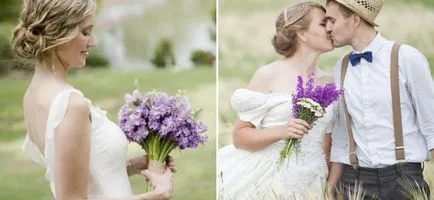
(254, 175)
(108, 150)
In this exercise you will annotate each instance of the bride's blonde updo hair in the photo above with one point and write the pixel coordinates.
(290, 21)
(45, 24)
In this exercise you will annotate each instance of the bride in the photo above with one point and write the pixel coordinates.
(83, 151)
(248, 167)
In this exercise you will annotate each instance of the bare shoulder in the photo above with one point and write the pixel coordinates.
(78, 104)
(262, 78)
(76, 119)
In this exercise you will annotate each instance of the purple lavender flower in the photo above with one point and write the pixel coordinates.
(323, 95)
(308, 92)
(166, 119)
(297, 96)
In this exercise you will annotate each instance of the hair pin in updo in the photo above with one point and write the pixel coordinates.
(36, 30)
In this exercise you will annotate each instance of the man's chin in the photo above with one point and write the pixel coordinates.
(337, 45)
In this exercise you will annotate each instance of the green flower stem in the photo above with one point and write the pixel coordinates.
(158, 149)
(293, 145)
(162, 149)
(148, 186)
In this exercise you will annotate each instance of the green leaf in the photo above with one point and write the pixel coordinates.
(197, 113)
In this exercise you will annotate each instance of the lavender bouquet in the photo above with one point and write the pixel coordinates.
(309, 104)
(160, 123)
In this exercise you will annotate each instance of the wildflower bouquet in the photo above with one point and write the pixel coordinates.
(309, 104)
(160, 123)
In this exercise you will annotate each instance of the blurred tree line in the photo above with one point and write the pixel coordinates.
(163, 56)
(9, 12)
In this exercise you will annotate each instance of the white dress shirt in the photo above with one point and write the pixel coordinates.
(369, 102)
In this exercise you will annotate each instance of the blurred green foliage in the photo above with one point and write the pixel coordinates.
(5, 55)
(163, 55)
(201, 57)
(213, 33)
(96, 59)
(9, 10)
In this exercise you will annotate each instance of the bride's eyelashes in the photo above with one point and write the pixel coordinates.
(323, 22)
(87, 32)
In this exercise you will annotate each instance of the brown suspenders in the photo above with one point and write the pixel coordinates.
(397, 123)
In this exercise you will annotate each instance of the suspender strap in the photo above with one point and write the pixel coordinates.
(351, 143)
(396, 104)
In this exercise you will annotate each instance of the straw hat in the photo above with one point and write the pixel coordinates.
(366, 9)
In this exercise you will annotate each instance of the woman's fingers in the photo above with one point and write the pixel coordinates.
(169, 159)
(299, 127)
(303, 123)
(294, 133)
(148, 174)
(170, 163)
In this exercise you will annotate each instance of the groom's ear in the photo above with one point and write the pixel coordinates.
(301, 35)
(356, 20)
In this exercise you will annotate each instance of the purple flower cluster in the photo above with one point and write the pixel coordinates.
(322, 94)
(167, 116)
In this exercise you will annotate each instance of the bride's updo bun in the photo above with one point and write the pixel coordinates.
(27, 43)
(290, 21)
(43, 25)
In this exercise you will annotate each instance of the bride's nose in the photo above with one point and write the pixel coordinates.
(91, 42)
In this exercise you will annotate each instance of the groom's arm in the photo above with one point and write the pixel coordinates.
(327, 145)
(335, 174)
(338, 151)
(336, 171)
(421, 88)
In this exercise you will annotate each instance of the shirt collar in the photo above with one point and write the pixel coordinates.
(375, 44)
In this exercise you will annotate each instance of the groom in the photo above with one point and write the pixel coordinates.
(379, 142)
